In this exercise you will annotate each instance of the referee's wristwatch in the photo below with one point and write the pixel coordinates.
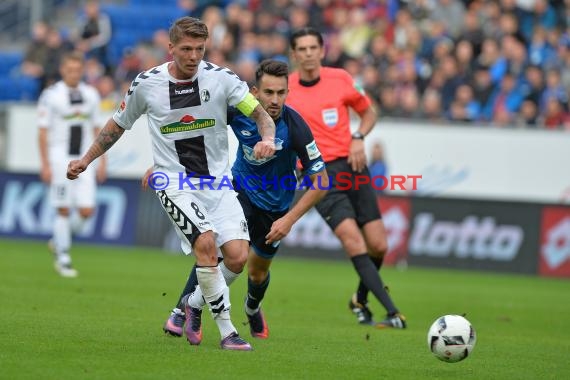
(357, 136)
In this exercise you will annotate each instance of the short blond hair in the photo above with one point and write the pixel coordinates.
(74, 55)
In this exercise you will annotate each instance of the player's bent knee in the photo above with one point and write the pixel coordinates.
(235, 263)
(205, 249)
(378, 249)
(257, 277)
(86, 212)
(353, 244)
(235, 255)
(63, 211)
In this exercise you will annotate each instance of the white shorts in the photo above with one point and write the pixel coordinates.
(195, 212)
(77, 193)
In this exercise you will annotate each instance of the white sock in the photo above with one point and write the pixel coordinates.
(77, 224)
(229, 276)
(217, 295)
(62, 238)
(196, 299)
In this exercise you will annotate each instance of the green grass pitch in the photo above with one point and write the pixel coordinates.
(107, 323)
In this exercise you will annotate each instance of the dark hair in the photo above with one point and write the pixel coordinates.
(306, 31)
(271, 67)
(187, 27)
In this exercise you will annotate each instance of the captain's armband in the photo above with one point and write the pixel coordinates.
(248, 104)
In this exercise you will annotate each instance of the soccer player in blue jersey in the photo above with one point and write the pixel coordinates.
(266, 188)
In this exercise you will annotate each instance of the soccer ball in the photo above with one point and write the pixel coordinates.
(451, 338)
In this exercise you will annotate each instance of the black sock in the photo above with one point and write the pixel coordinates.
(371, 278)
(362, 291)
(190, 286)
(256, 292)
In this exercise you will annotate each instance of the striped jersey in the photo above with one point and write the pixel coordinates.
(187, 119)
(70, 115)
(325, 107)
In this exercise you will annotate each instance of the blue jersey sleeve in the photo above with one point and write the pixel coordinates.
(231, 114)
(303, 143)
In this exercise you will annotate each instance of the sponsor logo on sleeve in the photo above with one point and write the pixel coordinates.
(312, 150)
(359, 88)
(317, 167)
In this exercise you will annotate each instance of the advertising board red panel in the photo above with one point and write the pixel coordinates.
(396, 217)
(554, 257)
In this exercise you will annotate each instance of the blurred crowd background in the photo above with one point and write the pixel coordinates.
(503, 63)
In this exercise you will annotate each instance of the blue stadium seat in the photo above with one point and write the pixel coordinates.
(18, 89)
(9, 61)
(161, 3)
(133, 24)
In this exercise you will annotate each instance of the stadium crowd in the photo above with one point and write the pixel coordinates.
(500, 63)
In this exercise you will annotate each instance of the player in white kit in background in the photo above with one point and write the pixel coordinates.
(186, 103)
(68, 120)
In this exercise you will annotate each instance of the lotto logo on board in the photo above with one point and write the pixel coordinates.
(555, 242)
(396, 217)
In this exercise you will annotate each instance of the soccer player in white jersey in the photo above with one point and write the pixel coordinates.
(68, 114)
(186, 103)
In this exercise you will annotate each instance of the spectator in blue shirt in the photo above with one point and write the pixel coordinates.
(378, 167)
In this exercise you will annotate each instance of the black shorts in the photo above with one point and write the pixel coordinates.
(259, 224)
(348, 202)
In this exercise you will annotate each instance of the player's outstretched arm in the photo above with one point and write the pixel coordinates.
(105, 140)
(101, 174)
(281, 227)
(266, 128)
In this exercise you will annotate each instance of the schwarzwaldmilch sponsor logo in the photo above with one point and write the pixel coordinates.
(187, 123)
(77, 115)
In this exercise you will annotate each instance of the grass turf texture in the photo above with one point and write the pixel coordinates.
(107, 323)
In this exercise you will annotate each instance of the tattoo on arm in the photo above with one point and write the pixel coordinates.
(104, 140)
(265, 124)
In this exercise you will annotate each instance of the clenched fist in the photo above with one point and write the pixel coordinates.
(75, 168)
(264, 148)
